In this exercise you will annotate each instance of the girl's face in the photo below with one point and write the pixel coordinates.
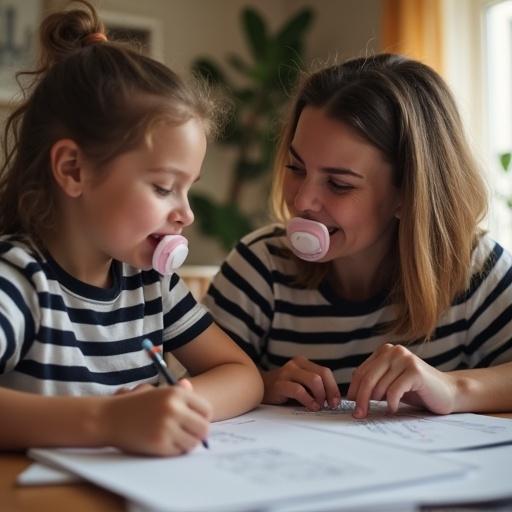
(142, 194)
(336, 177)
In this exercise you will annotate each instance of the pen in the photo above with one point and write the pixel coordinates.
(161, 365)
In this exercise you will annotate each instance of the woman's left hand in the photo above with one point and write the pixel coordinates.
(395, 374)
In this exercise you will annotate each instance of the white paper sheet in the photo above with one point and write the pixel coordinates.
(409, 428)
(251, 464)
(489, 481)
(42, 474)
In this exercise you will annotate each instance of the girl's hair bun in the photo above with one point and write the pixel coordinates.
(65, 32)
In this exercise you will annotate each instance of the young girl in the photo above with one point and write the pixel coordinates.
(102, 154)
(392, 291)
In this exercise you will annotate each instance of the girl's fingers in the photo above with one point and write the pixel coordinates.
(135, 389)
(198, 404)
(185, 383)
(185, 439)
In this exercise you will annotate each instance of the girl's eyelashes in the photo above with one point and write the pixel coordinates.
(161, 191)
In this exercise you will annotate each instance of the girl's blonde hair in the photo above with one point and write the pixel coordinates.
(405, 109)
(102, 94)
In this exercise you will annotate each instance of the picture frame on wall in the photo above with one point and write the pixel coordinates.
(19, 23)
(143, 32)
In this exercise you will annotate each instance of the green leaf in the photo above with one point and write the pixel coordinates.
(293, 31)
(232, 225)
(238, 64)
(245, 95)
(255, 32)
(250, 170)
(505, 160)
(209, 71)
(223, 222)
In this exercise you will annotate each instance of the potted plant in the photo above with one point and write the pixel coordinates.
(252, 128)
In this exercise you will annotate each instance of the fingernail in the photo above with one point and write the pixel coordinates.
(358, 413)
(314, 406)
(335, 402)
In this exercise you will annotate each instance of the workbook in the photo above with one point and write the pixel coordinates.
(254, 463)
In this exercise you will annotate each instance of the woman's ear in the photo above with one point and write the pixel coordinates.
(67, 166)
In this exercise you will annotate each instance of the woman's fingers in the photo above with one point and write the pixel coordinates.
(295, 391)
(304, 381)
(324, 387)
(387, 370)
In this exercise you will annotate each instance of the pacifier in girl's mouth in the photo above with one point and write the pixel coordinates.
(309, 239)
(170, 253)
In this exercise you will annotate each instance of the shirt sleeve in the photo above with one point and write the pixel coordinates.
(241, 298)
(489, 311)
(19, 315)
(184, 318)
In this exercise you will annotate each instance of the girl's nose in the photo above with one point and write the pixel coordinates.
(307, 197)
(182, 214)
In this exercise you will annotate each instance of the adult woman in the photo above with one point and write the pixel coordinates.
(411, 301)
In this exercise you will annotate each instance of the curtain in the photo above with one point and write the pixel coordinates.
(414, 29)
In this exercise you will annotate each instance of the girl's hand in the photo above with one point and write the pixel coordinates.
(300, 379)
(394, 373)
(170, 420)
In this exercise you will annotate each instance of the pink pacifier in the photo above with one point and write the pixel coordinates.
(309, 239)
(170, 253)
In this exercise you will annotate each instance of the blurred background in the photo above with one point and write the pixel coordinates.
(255, 50)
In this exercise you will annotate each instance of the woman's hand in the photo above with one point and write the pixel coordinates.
(301, 380)
(169, 420)
(395, 374)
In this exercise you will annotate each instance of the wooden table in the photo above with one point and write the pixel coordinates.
(77, 497)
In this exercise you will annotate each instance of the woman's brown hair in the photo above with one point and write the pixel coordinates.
(102, 94)
(405, 109)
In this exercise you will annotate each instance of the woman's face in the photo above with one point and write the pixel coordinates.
(336, 177)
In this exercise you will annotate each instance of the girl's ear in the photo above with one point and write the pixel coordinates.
(67, 167)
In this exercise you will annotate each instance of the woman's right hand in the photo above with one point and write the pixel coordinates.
(301, 380)
(165, 421)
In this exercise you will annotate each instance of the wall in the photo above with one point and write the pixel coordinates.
(190, 28)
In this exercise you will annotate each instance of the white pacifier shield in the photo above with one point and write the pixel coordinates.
(309, 239)
(305, 242)
(176, 258)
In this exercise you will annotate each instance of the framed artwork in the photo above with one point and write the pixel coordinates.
(19, 22)
(144, 32)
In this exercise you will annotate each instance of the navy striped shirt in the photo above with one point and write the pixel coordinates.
(60, 336)
(254, 300)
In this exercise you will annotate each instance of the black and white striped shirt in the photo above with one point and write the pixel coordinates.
(61, 336)
(254, 300)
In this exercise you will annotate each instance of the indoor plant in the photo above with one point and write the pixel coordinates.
(251, 129)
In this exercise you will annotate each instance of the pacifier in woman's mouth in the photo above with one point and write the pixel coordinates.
(309, 239)
(170, 253)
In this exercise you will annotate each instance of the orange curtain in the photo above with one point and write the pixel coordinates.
(414, 28)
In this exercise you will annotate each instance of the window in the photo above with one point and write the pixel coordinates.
(478, 64)
(498, 72)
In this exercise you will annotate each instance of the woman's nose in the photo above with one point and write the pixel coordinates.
(307, 197)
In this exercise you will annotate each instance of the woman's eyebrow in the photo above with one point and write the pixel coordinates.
(328, 170)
